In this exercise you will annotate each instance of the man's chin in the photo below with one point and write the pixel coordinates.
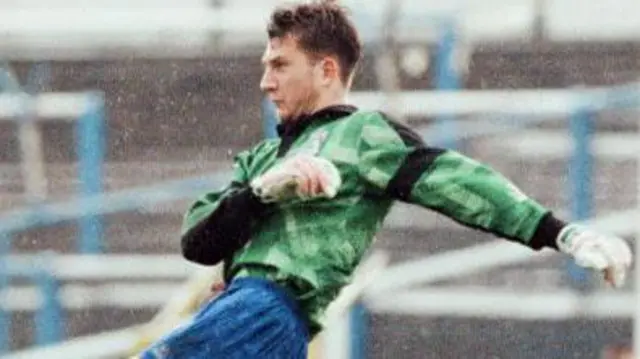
(288, 116)
(284, 117)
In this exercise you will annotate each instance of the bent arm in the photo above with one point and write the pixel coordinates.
(219, 224)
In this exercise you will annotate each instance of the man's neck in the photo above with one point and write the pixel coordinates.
(318, 106)
(324, 102)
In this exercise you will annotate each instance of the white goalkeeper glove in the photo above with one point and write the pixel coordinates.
(589, 249)
(300, 176)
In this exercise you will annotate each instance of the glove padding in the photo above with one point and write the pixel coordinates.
(611, 255)
(300, 176)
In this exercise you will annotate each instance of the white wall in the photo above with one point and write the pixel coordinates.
(102, 3)
(64, 29)
(593, 19)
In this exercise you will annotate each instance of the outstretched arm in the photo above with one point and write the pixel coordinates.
(476, 196)
(396, 161)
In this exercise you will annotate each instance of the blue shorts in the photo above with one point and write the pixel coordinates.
(252, 318)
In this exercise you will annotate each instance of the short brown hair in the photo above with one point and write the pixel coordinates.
(322, 28)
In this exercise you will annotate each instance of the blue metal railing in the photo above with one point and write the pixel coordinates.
(269, 118)
(5, 316)
(49, 331)
(49, 318)
(91, 146)
(358, 331)
(580, 183)
(92, 203)
(90, 139)
(447, 78)
(127, 200)
(581, 165)
(7, 82)
(90, 151)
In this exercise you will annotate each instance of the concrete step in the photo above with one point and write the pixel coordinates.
(394, 336)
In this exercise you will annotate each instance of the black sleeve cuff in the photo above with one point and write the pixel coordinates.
(547, 232)
(245, 201)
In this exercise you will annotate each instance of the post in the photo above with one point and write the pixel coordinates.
(30, 138)
(7, 82)
(49, 321)
(636, 320)
(269, 118)
(580, 177)
(33, 162)
(91, 143)
(5, 316)
(447, 79)
(358, 323)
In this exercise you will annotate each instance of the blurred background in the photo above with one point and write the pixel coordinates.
(114, 116)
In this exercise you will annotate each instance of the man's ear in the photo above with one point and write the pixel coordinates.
(330, 70)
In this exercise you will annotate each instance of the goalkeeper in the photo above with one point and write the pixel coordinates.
(302, 209)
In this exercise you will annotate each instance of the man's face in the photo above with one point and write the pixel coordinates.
(290, 79)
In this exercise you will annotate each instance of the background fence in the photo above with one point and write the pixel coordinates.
(114, 131)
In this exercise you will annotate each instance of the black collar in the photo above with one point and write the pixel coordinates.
(331, 113)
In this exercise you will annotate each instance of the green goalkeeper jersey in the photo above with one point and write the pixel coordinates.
(313, 246)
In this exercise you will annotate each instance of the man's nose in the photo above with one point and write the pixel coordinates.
(267, 83)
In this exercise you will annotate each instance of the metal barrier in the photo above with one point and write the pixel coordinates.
(579, 105)
(100, 204)
(89, 110)
(28, 108)
(96, 205)
(201, 24)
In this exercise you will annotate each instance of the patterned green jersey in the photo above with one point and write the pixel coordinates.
(313, 246)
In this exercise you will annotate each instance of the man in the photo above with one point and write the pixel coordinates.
(303, 209)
